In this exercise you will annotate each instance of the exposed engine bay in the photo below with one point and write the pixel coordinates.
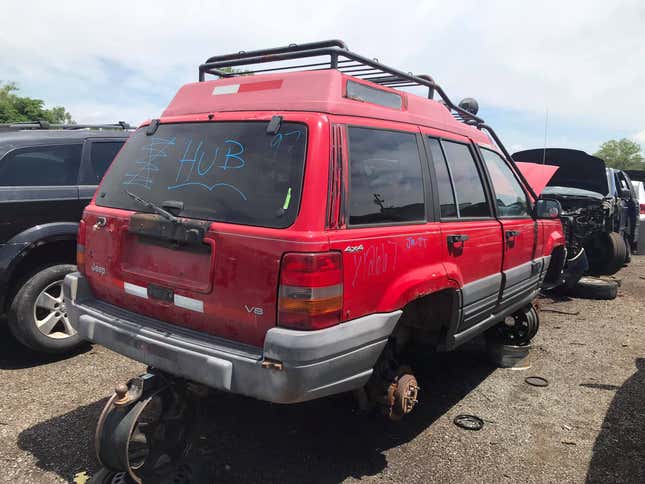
(582, 218)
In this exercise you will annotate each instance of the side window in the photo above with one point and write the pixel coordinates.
(101, 155)
(469, 191)
(510, 198)
(386, 179)
(41, 166)
(444, 185)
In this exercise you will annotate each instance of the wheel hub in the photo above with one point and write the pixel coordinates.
(50, 313)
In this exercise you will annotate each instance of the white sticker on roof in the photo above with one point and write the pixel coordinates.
(229, 89)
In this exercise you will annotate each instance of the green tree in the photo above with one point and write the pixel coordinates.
(623, 154)
(15, 108)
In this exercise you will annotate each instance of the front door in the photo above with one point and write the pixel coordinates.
(520, 271)
(471, 236)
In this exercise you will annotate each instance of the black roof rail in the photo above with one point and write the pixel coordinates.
(338, 57)
(341, 58)
(46, 125)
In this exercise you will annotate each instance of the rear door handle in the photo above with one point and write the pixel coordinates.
(453, 239)
(510, 234)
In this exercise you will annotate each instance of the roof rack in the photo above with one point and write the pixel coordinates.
(334, 54)
(338, 57)
(46, 125)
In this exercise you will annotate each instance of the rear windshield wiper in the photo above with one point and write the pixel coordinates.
(156, 209)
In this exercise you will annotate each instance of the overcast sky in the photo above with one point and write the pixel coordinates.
(582, 62)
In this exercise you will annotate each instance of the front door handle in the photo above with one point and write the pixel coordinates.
(453, 239)
(511, 234)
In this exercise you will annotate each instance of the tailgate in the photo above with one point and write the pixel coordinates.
(225, 286)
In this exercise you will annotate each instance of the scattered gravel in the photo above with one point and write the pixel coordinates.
(587, 424)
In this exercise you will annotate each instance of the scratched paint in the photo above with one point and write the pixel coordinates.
(378, 259)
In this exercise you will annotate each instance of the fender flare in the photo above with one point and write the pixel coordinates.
(414, 284)
(20, 246)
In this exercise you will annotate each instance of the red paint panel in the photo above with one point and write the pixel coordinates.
(260, 86)
(477, 257)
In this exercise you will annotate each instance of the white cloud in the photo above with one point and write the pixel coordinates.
(583, 60)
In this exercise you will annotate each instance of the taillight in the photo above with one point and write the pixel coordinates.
(311, 290)
(642, 208)
(80, 247)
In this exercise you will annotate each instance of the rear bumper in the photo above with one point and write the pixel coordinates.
(315, 363)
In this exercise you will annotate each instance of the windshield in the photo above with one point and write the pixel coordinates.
(222, 171)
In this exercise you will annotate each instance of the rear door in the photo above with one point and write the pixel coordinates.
(521, 272)
(38, 185)
(389, 241)
(471, 236)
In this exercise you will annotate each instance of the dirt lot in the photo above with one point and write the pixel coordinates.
(588, 424)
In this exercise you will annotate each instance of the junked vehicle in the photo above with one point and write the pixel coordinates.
(48, 173)
(627, 201)
(289, 235)
(592, 216)
(639, 189)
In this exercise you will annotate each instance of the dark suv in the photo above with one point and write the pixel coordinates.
(47, 176)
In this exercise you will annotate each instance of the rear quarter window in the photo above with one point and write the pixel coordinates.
(386, 179)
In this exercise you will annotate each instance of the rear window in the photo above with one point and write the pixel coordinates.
(221, 171)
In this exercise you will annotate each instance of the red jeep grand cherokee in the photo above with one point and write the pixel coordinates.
(285, 235)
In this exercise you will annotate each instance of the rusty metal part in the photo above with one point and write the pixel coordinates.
(402, 394)
(272, 364)
(121, 391)
(146, 426)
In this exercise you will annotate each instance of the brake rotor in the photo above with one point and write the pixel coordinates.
(402, 394)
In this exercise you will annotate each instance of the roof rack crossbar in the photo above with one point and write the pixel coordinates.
(276, 50)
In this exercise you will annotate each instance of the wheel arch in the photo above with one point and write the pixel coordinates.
(38, 246)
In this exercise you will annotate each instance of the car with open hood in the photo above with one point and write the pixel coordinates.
(593, 214)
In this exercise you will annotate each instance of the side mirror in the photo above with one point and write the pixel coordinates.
(545, 208)
(625, 193)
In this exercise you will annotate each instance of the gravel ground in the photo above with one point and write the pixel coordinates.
(587, 425)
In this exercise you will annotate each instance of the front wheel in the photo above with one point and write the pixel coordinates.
(38, 318)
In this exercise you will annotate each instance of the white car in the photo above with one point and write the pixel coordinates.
(639, 186)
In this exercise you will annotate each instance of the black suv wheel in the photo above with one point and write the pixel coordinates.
(37, 317)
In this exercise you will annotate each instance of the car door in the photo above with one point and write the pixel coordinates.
(520, 271)
(38, 185)
(98, 154)
(471, 236)
(389, 241)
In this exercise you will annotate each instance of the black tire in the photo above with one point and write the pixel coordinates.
(593, 288)
(612, 256)
(23, 313)
(628, 253)
(105, 476)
